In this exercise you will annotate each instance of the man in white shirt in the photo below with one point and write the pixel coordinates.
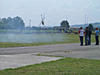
(81, 34)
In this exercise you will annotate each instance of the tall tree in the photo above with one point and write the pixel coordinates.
(4, 23)
(65, 24)
(18, 23)
(12, 23)
(90, 27)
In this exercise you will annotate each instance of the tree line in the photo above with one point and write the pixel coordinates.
(12, 23)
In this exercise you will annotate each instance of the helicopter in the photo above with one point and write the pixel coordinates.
(43, 18)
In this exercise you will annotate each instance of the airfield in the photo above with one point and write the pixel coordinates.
(22, 56)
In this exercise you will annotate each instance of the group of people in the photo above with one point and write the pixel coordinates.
(87, 33)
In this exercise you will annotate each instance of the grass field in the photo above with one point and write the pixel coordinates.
(69, 38)
(66, 66)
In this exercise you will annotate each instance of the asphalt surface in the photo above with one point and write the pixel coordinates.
(19, 60)
(22, 56)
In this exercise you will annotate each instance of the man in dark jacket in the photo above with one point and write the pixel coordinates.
(89, 35)
(86, 36)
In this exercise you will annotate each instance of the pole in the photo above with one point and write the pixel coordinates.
(30, 23)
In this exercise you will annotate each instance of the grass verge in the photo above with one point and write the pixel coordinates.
(72, 39)
(66, 66)
(69, 38)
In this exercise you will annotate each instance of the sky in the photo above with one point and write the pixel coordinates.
(75, 11)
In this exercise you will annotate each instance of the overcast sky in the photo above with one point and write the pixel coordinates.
(55, 10)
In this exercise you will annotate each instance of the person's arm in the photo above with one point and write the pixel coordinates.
(84, 33)
(79, 31)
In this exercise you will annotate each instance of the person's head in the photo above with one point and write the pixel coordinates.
(86, 28)
(81, 27)
(96, 28)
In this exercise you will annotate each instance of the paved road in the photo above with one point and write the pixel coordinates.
(21, 56)
(19, 60)
(67, 50)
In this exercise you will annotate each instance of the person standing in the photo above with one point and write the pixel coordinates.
(97, 36)
(90, 33)
(81, 35)
(87, 36)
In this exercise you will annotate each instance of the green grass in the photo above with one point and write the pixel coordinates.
(66, 66)
(5, 45)
(70, 38)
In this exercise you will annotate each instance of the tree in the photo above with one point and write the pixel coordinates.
(3, 24)
(18, 23)
(90, 27)
(12, 23)
(65, 24)
(4, 20)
